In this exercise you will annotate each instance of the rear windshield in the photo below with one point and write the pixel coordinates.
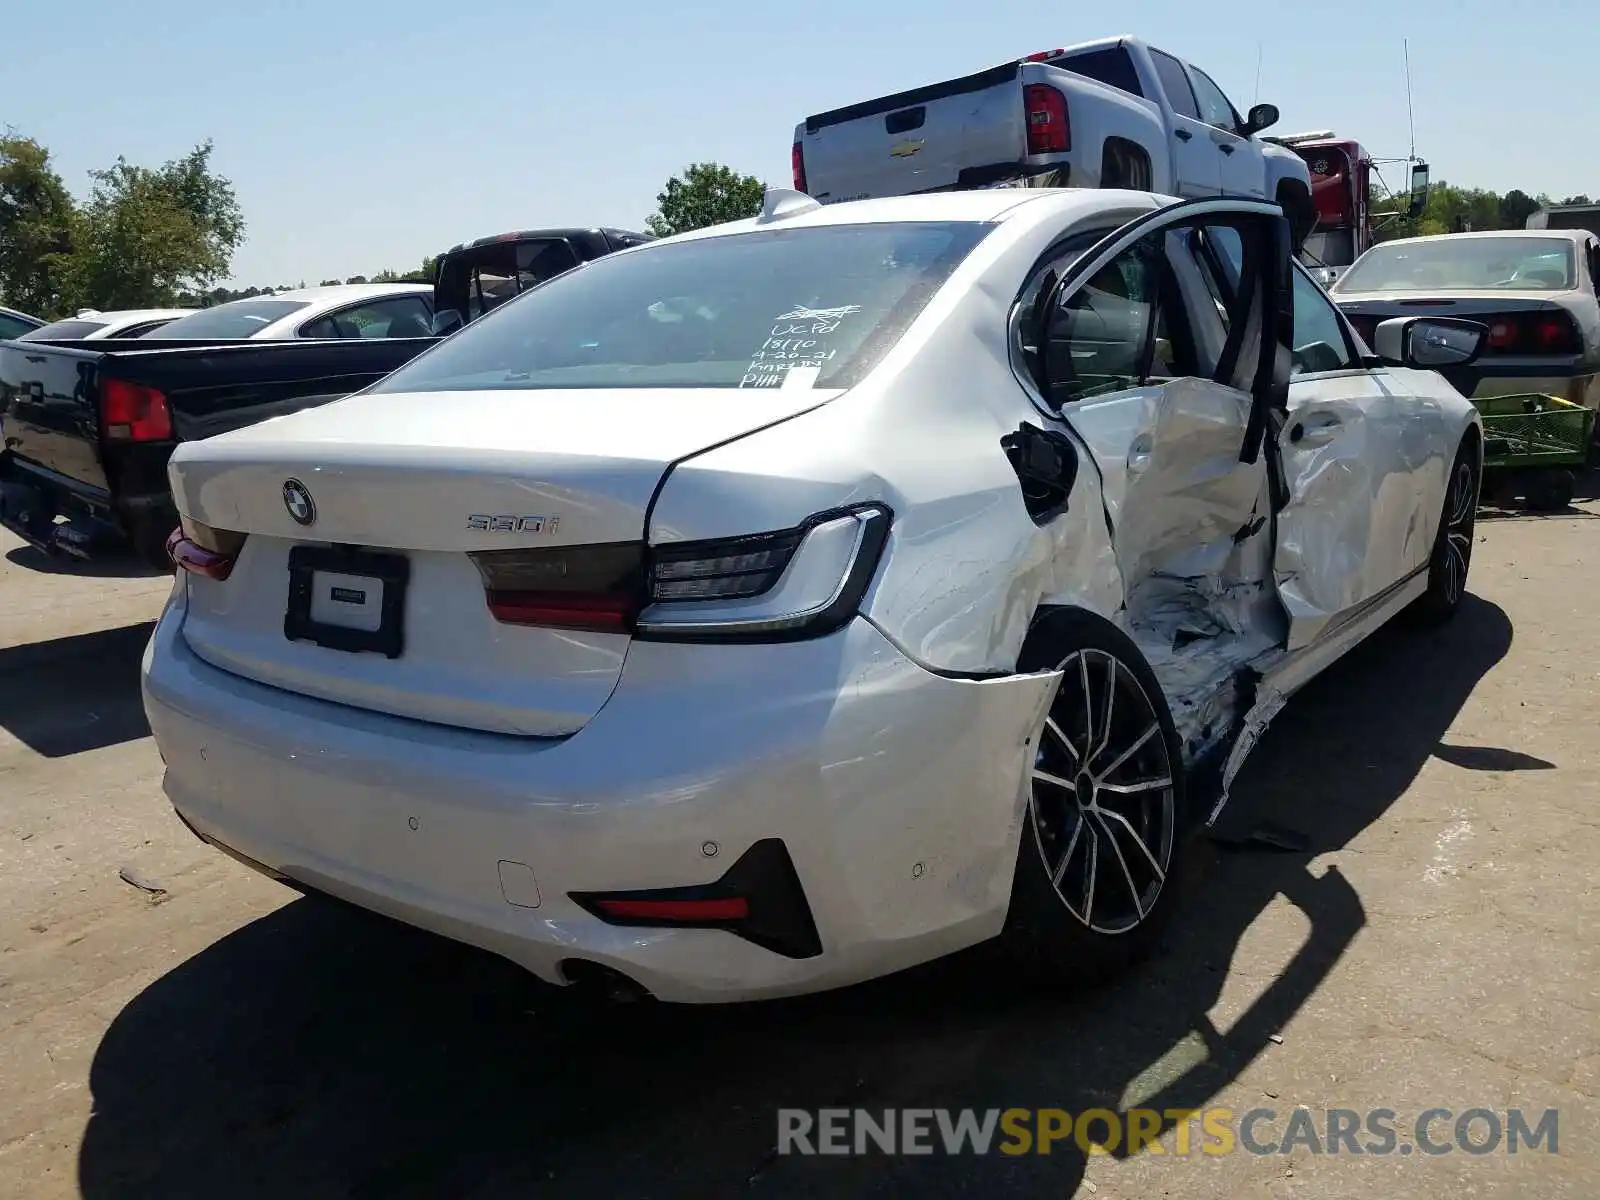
(1508, 264)
(63, 331)
(723, 312)
(1111, 66)
(236, 319)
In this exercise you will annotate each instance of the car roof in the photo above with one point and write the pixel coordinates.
(122, 315)
(985, 205)
(1571, 235)
(340, 293)
(17, 312)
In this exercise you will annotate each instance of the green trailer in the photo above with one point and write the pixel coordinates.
(1533, 447)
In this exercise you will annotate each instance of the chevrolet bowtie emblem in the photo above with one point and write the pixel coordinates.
(904, 149)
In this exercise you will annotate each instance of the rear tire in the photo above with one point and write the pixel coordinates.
(148, 536)
(1452, 545)
(1105, 828)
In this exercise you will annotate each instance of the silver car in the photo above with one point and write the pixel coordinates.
(1536, 290)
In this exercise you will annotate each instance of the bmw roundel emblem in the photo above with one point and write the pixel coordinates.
(298, 501)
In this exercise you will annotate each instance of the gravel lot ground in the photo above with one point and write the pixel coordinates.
(1434, 947)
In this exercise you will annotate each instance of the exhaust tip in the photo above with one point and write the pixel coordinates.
(602, 981)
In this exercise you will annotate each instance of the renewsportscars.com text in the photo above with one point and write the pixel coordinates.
(1209, 1131)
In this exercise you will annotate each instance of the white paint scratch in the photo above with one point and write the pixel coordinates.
(1445, 849)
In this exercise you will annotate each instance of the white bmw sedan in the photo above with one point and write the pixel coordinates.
(786, 603)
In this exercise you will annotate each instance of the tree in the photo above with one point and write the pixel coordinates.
(705, 194)
(37, 226)
(1516, 206)
(1580, 198)
(150, 235)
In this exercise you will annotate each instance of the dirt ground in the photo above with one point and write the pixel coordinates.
(1434, 946)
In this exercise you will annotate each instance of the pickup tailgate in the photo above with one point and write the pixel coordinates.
(48, 413)
(50, 392)
(964, 132)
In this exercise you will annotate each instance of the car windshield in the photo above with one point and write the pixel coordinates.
(235, 319)
(741, 310)
(62, 331)
(1509, 264)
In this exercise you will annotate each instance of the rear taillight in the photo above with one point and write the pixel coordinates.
(797, 159)
(1533, 333)
(1555, 333)
(595, 588)
(201, 550)
(1048, 130)
(131, 412)
(792, 583)
(726, 569)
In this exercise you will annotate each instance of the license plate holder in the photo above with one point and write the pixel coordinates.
(324, 576)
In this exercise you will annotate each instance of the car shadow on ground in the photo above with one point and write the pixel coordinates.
(320, 1051)
(122, 564)
(77, 693)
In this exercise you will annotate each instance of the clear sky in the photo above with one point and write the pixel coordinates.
(366, 135)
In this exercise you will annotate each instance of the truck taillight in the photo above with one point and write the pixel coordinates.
(131, 412)
(1048, 129)
(797, 159)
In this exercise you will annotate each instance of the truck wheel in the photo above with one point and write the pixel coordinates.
(1124, 165)
(1295, 200)
(148, 536)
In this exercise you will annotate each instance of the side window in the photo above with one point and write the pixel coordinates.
(1112, 67)
(1220, 253)
(1122, 327)
(1215, 109)
(402, 316)
(1319, 338)
(10, 327)
(539, 261)
(1175, 83)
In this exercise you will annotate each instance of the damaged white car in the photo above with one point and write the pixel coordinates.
(786, 603)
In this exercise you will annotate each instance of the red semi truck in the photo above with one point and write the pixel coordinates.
(1342, 179)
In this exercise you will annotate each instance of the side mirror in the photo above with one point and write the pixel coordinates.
(445, 322)
(1261, 116)
(1419, 190)
(1429, 343)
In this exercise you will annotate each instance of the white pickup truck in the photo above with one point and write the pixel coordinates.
(1115, 113)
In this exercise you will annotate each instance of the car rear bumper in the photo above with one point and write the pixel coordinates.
(1574, 381)
(896, 794)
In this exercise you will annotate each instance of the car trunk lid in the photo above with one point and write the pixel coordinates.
(407, 487)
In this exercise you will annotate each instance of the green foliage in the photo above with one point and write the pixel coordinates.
(37, 226)
(705, 194)
(142, 239)
(150, 235)
(1453, 209)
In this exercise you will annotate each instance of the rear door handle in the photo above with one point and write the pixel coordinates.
(1226, 147)
(1184, 135)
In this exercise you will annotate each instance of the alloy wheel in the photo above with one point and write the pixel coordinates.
(1102, 803)
(1460, 510)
